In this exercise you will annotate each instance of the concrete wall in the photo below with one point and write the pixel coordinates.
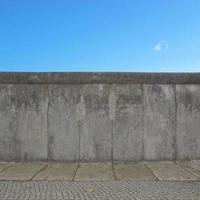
(99, 116)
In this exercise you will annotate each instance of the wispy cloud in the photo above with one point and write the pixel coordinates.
(162, 45)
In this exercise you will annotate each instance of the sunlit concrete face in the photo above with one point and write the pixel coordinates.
(23, 121)
(188, 121)
(99, 119)
(159, 122)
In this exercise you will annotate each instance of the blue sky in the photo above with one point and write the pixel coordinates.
(100, 35)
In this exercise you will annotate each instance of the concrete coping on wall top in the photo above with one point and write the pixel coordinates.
(98, 77)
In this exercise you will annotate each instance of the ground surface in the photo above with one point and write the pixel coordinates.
(73, 181)
(63, 190)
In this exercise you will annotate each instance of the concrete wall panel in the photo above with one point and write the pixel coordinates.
(63, 131)
(128, 122)
(188, 121)
(23, 122)
(95, 125)
(8, 125)
(99, 116)
(159, 122)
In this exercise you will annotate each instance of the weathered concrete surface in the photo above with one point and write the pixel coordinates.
(132, 171)
(95, 126)
(98, 77)
(99, 117)
(21, 171)
(169, 171)
(188, 121)
(192, 166)
(23, 126)
(128, 122)
(94, 171)
(63, 130)
(159, 122)
(8, 123)
(58, 171)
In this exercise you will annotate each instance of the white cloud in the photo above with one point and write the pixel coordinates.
(157, 47)
(161, 46)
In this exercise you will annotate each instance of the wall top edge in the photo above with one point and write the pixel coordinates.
(98, 77)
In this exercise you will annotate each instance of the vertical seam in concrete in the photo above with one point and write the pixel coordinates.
(175, 125)
(48, 88)
(142, 88)
(112, 144)
(112, 124)
(79, 140)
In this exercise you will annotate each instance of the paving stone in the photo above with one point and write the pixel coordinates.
(3, 165)
(170, 171)
(133, 171)
(192, 166)
(21, 171)
(58, 171)
(100, 190)
(94, 171)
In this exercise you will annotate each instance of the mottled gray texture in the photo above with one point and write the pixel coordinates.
(170, 171)
(192, 166)
(94, 171)
(100, 190)
(133, 171)
(98, 77)
(23, 125)
(57, 171)
(22, 171)
(8, 124)
(63, 131)
(159, 122)
(119, 170)
(95, 126)
(99, 116)
(128, 122)
(188, 121)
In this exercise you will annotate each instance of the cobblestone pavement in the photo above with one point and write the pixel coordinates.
(66, 190)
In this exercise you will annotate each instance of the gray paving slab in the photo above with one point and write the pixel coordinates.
(132, 171)
(94, 171)
(58, 171)
(21, 171)
(169, 171)
(192, 166)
